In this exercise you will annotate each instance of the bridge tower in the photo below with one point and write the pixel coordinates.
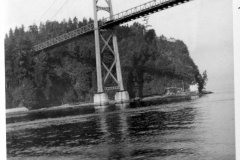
(101, 98)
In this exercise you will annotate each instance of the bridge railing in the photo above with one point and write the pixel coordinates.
(64, 37)
(134, 10)
(105, 22)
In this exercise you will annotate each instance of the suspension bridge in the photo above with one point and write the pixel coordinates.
(109, 23)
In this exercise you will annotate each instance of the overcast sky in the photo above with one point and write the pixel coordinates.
(204, 25)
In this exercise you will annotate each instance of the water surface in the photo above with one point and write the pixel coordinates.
(198, 129)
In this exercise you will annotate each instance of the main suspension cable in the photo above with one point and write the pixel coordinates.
(59, 9)
(47, 10)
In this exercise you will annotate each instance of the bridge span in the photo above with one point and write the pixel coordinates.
(120, 18)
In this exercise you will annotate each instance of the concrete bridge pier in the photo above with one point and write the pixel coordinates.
(100, 99)
(122, 97)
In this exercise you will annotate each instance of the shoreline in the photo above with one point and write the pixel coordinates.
(157, 99)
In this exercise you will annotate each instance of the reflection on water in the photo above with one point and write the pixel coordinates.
(173, 131)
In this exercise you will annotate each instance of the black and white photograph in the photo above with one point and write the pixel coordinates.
(120, 79)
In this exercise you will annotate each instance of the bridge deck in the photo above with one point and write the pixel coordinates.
(120, 18)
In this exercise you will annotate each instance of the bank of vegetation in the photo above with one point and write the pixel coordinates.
(67, 74)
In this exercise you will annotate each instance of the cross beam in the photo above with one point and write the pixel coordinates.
(99, 52)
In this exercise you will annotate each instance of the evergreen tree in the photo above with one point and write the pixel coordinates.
(67, 73)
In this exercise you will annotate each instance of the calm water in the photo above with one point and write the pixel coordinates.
(198, 129)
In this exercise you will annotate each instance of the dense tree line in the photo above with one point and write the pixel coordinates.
(67, 74)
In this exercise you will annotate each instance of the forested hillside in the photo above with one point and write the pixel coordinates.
(67, 74)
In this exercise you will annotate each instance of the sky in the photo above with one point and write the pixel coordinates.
(205, 26)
